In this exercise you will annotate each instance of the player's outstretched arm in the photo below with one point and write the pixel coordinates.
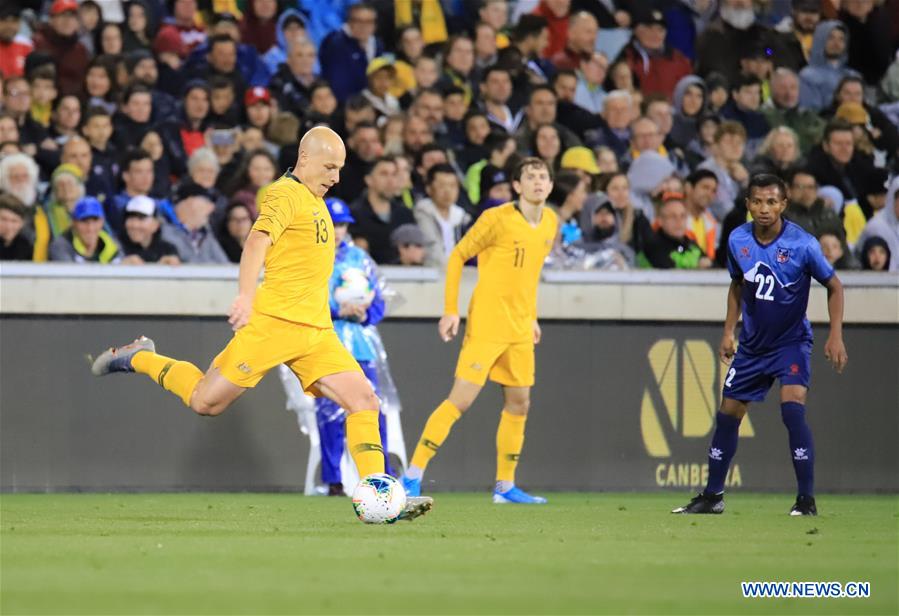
(251, 262)
(834, 349)
(728, 346)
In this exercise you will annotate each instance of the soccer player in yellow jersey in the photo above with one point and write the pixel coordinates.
(511, 242)
(287, 319)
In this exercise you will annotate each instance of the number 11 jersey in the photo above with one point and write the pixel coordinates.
(776, 279)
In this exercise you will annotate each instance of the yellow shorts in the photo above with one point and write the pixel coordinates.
(266, 341)
(510, 364)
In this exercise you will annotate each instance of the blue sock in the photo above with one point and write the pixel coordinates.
(722, 450)
(802, 447)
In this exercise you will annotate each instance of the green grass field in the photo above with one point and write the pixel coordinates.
(582, 553)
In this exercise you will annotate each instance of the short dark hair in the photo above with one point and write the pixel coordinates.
(135, 88)
(651, 99)
(528, 25)
(493, 68)
(540, 88)
(835, 126)
(428, 147)
(764, 180)
(220, 82)
(496, 140)
(363, 124)
(95, 111)
(358, 103)
(221, 38)
(530, 161)
(133, 155)
(563, 72)
(699, 175)
(387, 158)
(792, 173)
(744, 80)
(440, 168)
(318, 84)
(360, 6)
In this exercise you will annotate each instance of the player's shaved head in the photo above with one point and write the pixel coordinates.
(321, 157)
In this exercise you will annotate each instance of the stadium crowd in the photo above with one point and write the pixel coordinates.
(146, 131)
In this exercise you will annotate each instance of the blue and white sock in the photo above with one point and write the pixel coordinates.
(722, 450)
(802, 447)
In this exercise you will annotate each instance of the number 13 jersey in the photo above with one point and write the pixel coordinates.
(298, 265)
(776, 279)
(510, 254)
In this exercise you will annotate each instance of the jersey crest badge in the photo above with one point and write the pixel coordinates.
(744, 252)
(783, 255)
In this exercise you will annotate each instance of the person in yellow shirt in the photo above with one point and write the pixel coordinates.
(287, 319)
(511, 242)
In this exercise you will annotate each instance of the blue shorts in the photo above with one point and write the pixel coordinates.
(750, 376)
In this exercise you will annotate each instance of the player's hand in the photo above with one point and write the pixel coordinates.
(727, 348)
(240, 311)
(448, 327)
(538, 333)
(835, 352)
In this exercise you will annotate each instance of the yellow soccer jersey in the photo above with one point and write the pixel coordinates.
(298, 265)
(510, 255)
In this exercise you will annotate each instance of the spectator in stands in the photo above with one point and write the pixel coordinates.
(258, 170)
(97, 130)
(110, 39)
(541, 109)
(290, 31)
(17, 103)
(224, 108)
(234, 230)
(140, 25)
(743, 107)
(59, 38)
(66, 189)
(203, 168)
(796, 33)
(778, 153)
(657, 66)
(485, 50)
(363, 148)
(589, 93)
(871, 39)
(756, 61)
(19, 178)
(719, 46)
(700, 188)
(137, 175)
(602, 242)
(836, 162)
(689, 102)
(86, 241)
(381, 75)
(885, 225)
(132, 120)
(670, 246)
(440, 218)
(458, 67)
(807, 210)
(13, 47)
(14, 244)
(557, 15)
(410, 243)
(142, 240)
(499, 147)
(416, 135)
(221, 60)
(726, 163)
(648, 176)
(454, 111)
(580, 44)
(259, 25)
(143, 67)
(345, 53)
(292, 82)
(409, 48)
(826, 66)
(885, 135)
(495, 189)
(567, 200)
(183, 135)
(189, 229)
(783, 110)
(184, 23)
(252, 69)
(377, 213)
(530, 39)
(100, 84)
(43, 92)
(547, 146)
(835, 251)
(496, 90)
(618, 111)
(875, 252)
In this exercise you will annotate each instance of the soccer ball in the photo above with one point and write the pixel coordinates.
(379, 499)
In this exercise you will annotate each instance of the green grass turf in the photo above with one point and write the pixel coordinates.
(582, 553)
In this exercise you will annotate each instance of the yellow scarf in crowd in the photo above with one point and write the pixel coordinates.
(432, 23)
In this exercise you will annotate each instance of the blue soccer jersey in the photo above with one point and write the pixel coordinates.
(776, 280)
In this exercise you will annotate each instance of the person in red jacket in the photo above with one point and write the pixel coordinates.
(657, 66)
(556, 13)
(13, 47)
(59, 39)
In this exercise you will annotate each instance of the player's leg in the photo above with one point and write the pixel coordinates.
(437, 428)
(208, 394)
(509, 443)
(331, 433)
(748, 379)
(370, 370)
(794, 374)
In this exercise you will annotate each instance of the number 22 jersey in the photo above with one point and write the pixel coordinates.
(776, 279)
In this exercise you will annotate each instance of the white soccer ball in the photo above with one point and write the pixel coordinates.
(379, 499)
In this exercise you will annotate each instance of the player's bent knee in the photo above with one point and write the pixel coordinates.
(518, 407)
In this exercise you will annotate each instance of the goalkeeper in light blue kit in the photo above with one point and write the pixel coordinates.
(356, 304)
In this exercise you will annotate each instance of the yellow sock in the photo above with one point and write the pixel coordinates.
(509, 441)
(436, 430)
(178, 377)
(364, 442)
